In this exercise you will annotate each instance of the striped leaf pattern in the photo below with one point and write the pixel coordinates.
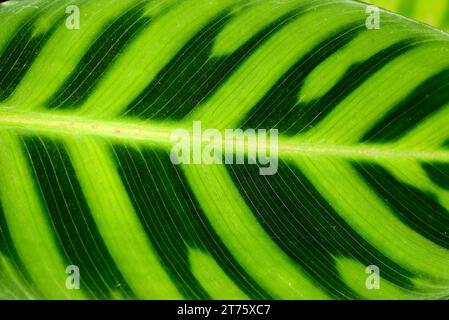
(86, 117)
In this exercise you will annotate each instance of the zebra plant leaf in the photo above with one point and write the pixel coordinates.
(95, 206)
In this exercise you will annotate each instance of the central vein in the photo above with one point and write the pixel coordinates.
(155, 133)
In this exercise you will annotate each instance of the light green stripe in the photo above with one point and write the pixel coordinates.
(233, 221)
(117, 221)
(27, 220)
(212, 278)
(364, 46)
(365, 212)
(353, 273)
(12, 284)
(431, 132)
(148, 54)
(238, 95)
(247, 21)
(360, 111)
(61, 54)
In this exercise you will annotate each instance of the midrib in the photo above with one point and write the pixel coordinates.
(134, 131)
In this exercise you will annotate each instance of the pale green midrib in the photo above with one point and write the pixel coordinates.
(153, 133)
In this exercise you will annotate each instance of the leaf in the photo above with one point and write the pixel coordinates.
(87, 183)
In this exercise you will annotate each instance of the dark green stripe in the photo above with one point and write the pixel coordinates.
(174, 221)
(427, 99)
(193, 76)
(18, 56)
(280, 109)
(438, 173)
(307, 228)
(111, 42)
(79, 238)
(7, 247)
(417, 209)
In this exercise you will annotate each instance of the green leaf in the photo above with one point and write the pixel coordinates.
(87, 118)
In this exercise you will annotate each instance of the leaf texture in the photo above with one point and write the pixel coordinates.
(86, 179)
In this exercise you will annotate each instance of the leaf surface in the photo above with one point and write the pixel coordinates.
(86, 178)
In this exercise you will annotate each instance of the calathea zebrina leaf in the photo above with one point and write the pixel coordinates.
(222, 149)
